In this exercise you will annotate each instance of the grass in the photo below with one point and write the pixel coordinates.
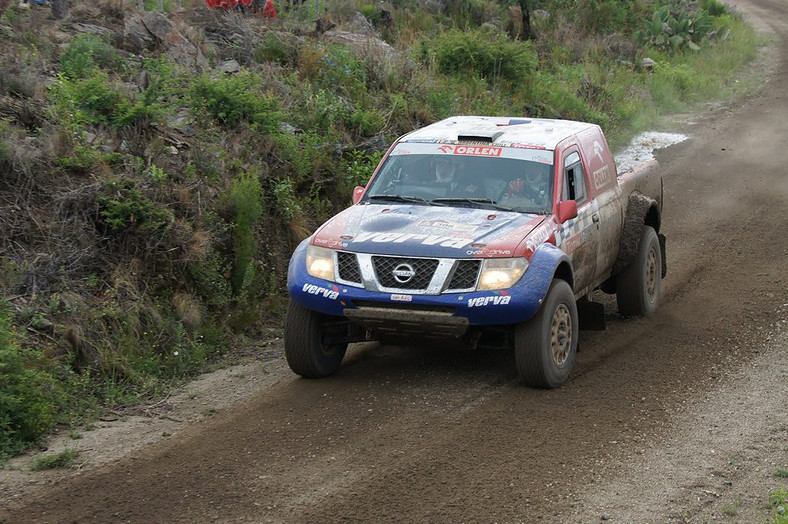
(781, 473)
(733, 508)
(62, 460)
(778, 502)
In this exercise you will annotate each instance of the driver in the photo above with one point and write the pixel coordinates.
(448, 173)
(535, 187)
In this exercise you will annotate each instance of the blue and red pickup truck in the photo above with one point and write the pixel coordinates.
(479, 231)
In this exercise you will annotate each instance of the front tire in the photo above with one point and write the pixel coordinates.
(308, 351)
(638, 287)
(545, 346)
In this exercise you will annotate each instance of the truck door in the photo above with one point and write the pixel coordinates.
(579, 237)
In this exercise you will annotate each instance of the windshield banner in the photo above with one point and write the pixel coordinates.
(535, 155)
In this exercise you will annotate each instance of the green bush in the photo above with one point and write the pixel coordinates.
(492, 57)
(127, 210)
(61, 460)
(92, 100)
(6, 153)
(668, 32)
(275, 49)
(713, 7)
(84, 54)
(212, 277)
(234, 99)
(246, 197)
(28, 396)
(341, 71)
(285, 201)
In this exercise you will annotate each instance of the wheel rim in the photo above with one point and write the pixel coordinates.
(561, 335)
(651, 275)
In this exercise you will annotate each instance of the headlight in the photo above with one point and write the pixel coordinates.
(501, 273)
(320, 262)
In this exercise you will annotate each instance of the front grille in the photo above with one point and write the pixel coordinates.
(348, 267)
(422, 268)
(465, 274)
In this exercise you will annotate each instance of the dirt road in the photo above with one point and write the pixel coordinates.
(680, 417)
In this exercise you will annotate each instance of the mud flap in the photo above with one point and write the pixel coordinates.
(662, 247)
(591, 315)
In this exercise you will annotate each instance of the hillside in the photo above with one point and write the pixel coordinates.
(157, 168)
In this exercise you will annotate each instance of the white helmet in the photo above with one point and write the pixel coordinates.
(445, 168)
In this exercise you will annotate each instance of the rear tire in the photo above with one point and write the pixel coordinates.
(545, 346)
(638, 287)
(306, 349)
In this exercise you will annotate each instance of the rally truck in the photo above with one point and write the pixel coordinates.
(480, 231)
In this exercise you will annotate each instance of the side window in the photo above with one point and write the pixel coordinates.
(574, 179)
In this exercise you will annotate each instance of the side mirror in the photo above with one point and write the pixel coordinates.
(358, 192)
(567, 210)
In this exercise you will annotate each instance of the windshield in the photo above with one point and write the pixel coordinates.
(511, 179)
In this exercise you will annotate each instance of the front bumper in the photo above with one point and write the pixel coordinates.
(443, 314)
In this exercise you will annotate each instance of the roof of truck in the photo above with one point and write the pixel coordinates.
(514, 131)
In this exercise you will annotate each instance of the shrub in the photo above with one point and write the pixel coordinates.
(127, 210)
(668, 32)
(285, 200)
(64, 459)
(212, 276)
(458, 52)
(84, 54)
(358, 167)
(27, 395)
(713, 7)
(234, 99)
(246, 197)
(275, 49)
(341, 71)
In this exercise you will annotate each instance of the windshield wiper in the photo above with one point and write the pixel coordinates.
(471, 200)
(403, 198)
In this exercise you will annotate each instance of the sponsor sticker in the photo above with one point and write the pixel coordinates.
(425, 240)
(501, 298)
(402, 298)
(313, 289)
(602, 176)
(445, 224)
(478, 151)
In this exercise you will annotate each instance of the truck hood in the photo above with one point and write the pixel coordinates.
(427, 231)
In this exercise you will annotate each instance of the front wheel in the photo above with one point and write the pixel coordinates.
(545, 346)
(638, 286)
(311, 342)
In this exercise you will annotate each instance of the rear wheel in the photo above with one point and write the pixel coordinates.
(638, 286)
(545, 346)
(311, 346)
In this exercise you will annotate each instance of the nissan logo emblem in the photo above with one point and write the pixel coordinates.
(403, 273)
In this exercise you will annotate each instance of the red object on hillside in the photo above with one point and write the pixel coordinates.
(268, 11)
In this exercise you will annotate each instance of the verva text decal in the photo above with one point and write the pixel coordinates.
(312, 289)
(399, 238)
(497, 300)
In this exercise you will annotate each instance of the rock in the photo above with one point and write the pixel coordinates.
(136, 37)
(288, 129)
(361, 44)
(361, 25)
(181, 122)
(154, 31)
(230, 67)
(92, 29)
(647, 64)
(374, 144)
